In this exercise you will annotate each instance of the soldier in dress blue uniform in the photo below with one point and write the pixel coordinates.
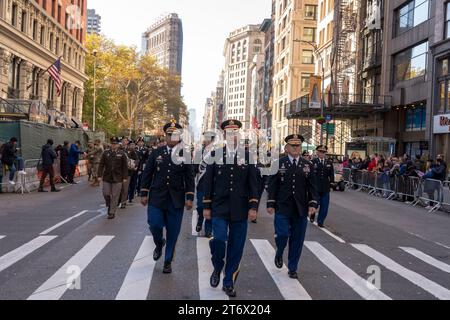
(292, 198)
(324, 172)
(200, 170)
(167, 188)
(231, 200)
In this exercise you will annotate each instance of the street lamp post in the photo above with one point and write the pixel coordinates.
(320, 58)
(95, 89)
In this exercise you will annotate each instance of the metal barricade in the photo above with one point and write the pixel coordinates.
(347, 175)
(384, 186)
(370, 183)
(430, 192)
(446, 196)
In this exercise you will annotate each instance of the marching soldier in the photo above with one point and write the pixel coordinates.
(96, 155)
(200, 170)
(113, 169)
(324, 172)
(231, 199)
(292, 197)
(167, 188)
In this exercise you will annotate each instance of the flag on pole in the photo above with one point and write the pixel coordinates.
(55, 73)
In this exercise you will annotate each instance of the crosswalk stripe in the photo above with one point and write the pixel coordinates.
(364, 288)
(1, 237)
(194, 223)
(330, 233)
(55, 287)
(417, 279)
(290, 290)
(427, 259)
(205, 269)
(137, 281)
(18, 254)
(56, 226)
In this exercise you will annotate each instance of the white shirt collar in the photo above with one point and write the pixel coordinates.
(291, 158)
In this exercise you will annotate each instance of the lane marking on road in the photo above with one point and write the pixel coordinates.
(330, 233)
(18, 254)
(137, 281)
(435, 289)
(2, 237)
(427, 259)
(289, 289)
(56, 226)
(423, 238)
(55, 287)
(194, 223)
(442, 245)
(361, 286)
(205, 269)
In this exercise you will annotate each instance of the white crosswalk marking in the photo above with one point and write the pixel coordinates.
(137, 281)
(55, 287)
(330, 233)
(205, 269)
(18, 254)
(194, 223)
(427, 259)
(63, 222)
(364, 288)
(1, 237)
(417, 279)
(290, 290)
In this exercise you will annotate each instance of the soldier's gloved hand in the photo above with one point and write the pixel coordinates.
(271, 211)
(207, 214)
(252, 215)
(189, 205)
(312, 212)
(144, 201)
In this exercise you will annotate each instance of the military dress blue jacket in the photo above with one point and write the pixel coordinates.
(292, 191)
(164, 181)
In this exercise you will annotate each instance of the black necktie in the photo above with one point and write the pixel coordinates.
(295, 162)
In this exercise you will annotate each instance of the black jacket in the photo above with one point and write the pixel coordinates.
(165, 181)
(292, 191)
(48, 155)
(231, 190)
(324, 174)
(8, 154)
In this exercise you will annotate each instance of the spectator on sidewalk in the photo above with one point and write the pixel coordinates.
(73, 159)
(9, 159)
(48, 156)
(90, 160)
(113, 169)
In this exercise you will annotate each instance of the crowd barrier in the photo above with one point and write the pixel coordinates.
(432, 194)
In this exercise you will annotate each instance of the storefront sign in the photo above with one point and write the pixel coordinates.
(442, 124)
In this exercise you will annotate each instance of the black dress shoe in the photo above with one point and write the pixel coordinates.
(167, 268)
(255, 221)
(111, 217)
(158, 251)
(215, 279)
(230, 292)
(312, 218)
(293, 275)
(208, 235)
(199, 228)
(42, 190)
(56, 190)
(321, 226)
(279, 262)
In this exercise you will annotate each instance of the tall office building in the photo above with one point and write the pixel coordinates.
(240, 49)
(94, 22)
(164, 40)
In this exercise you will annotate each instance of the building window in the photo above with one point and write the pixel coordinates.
(307, 57)
(14, 15)
(309, 34)
(53, 8)
(14, 79)
(411, 15)
(59, 13)
(310, 12)
(416, 119)
(35, 79)
(35, 26)
(411, 63)
(42, 35)
(305, 81)
(23, 22)
(447, 20)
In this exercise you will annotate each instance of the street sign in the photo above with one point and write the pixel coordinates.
(329, 128)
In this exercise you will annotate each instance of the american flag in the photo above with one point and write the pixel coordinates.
(55, 73)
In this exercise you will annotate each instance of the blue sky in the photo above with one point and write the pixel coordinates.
(206, 24)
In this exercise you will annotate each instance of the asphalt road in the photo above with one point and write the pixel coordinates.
(371, 249)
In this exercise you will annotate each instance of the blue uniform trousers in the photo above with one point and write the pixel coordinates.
(201, 218)
(171, 219)
(229, 238)
(324, 205)
(292, 230)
